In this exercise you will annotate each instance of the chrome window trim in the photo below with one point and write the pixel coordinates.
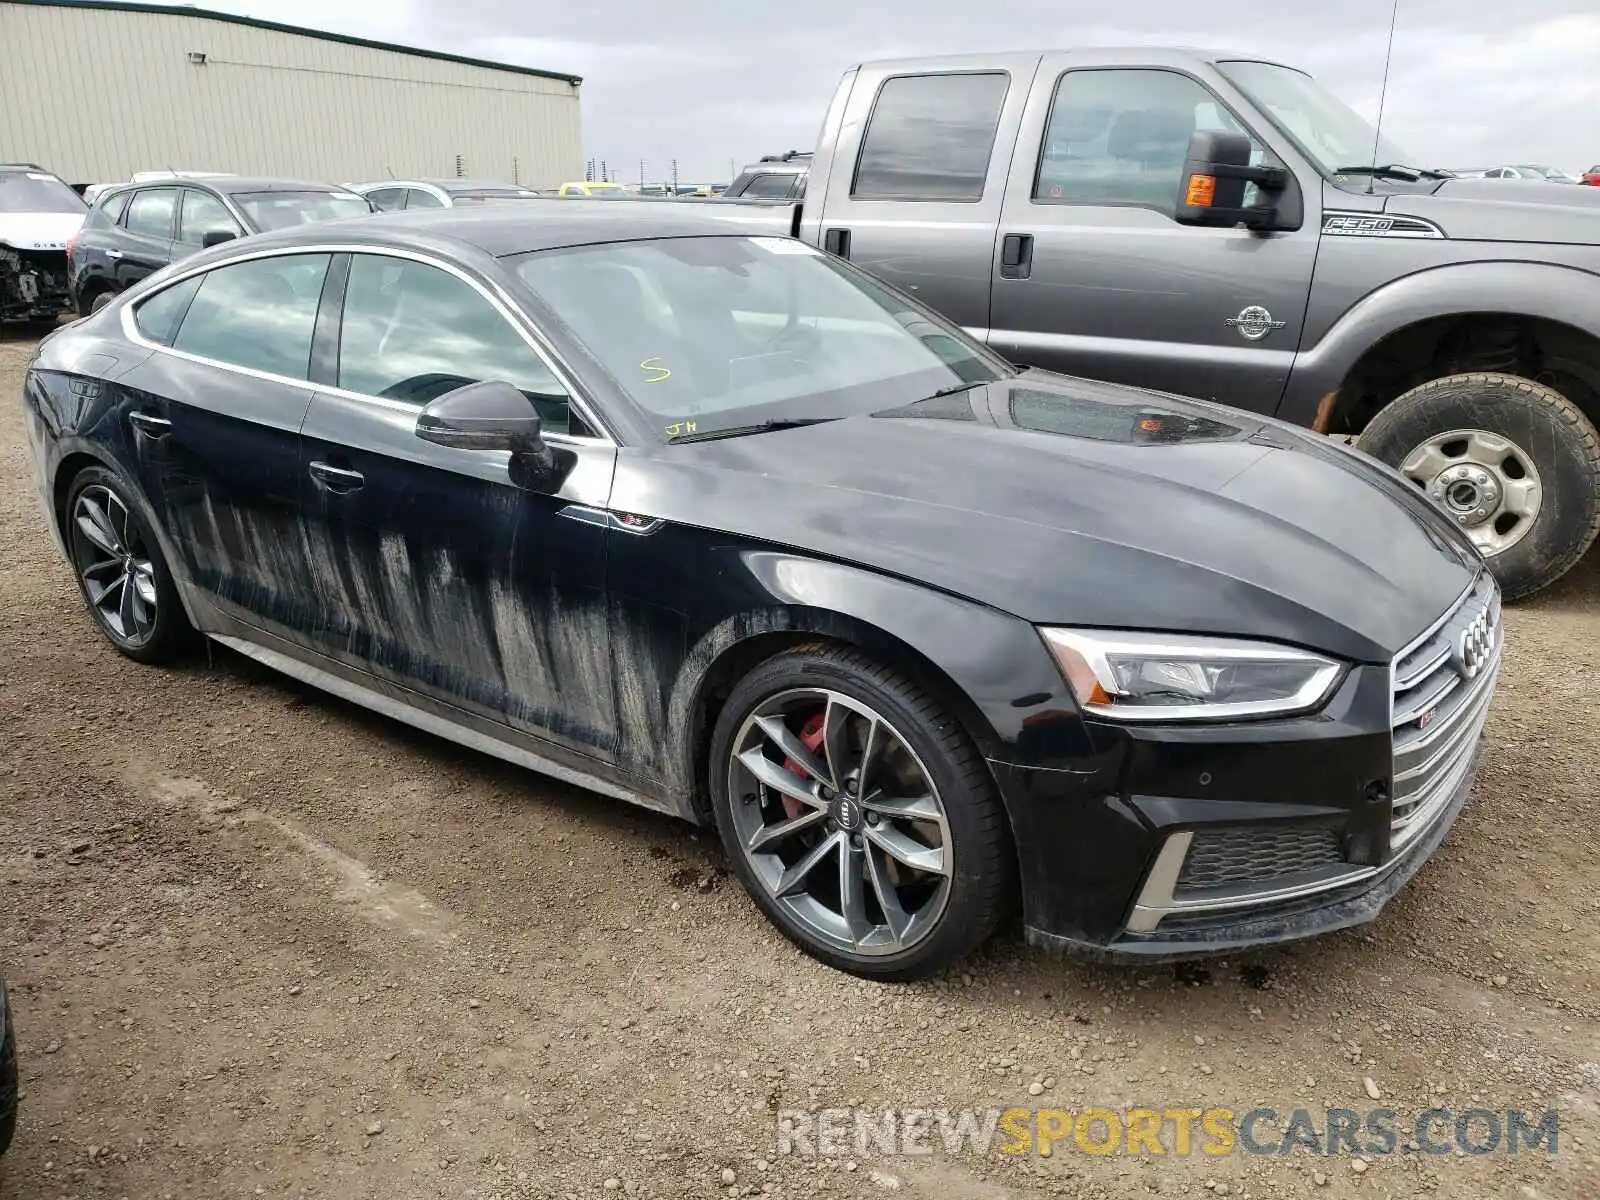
(502, 303)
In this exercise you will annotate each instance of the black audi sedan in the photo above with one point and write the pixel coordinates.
(719, 525)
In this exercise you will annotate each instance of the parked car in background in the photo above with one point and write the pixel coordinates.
(1043, 201)
(1526, 172)
(390, 195)
(720, 525)
(39, 214)
(775, 177)
(137, 229)
(95, 190)
(593, 189)
(1592, 176)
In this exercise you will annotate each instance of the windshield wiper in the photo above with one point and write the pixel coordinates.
(957, 388)
(1392, 171)
(732, 431)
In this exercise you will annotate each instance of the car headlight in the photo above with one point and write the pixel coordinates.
(1170, 677)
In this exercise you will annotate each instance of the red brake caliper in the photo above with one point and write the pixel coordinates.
(811, 739)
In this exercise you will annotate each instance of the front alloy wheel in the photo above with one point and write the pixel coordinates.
(840, 821)
(860, 817)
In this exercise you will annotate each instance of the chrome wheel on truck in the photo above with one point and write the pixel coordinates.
(1513, 463)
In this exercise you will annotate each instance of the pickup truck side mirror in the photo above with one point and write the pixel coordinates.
(1211, 190)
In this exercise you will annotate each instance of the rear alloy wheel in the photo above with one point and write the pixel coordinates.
(120, 571)
(1513, 463)
(859, 817)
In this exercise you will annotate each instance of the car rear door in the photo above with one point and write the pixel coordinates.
(917, 176)
(214, 418)
(442, 570)
(1092, 274)
(149, 228)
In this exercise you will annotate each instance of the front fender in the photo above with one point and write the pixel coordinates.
(1568, 295)
(993, 667)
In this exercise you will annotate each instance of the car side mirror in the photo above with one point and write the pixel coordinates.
(491, 415)
(215, 237)
(1211, 190)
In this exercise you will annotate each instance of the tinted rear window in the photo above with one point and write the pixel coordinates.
(930, 137)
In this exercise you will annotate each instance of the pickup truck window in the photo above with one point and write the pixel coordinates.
(1119, 137)
(769, 186)
(930, 137)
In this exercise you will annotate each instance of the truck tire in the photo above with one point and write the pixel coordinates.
(1515, 463)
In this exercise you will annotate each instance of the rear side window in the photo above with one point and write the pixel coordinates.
(1119, 138)
(158, 317)
(930, 137)
(152, 212)
(113, 208)
(387, 199)
(769, 187)
(259, 314)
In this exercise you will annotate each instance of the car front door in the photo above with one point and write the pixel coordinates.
(915, 193)
(1093, 276)
(214, 415)
(202, 213)
(443, 570)
(149, 226)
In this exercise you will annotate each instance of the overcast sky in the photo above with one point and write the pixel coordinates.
(1474, 82)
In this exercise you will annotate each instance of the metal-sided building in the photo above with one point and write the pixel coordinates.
(95, 90)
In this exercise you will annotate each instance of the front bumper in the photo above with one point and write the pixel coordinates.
(1174, 842)
(34, 285)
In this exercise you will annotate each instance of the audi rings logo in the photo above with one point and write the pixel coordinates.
(1475, 646)
(847, 812)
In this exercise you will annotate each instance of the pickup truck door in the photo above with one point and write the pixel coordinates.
(912, 181)
(1092, 276)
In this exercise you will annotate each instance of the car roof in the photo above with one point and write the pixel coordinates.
(263, 184)
(541, 223)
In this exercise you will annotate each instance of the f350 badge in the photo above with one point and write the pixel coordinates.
(1254, 323)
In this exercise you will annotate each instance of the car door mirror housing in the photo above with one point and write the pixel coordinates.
(215, 237)
(491, 415)
(1216, 173)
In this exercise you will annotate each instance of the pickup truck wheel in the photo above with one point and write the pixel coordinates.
(1514, 463)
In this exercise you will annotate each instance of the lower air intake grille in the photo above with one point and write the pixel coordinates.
(1253, 854)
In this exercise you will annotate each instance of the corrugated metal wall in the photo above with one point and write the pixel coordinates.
(96, 95)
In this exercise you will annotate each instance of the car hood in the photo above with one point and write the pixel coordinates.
(38, 231)
(1508, 210)
(1065, 501)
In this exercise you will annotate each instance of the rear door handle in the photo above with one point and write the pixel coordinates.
(336, 479)
(113, 253)
(150, 425)
(837, 242)
(1016, 256)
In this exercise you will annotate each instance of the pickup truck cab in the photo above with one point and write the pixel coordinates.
(1041, 200)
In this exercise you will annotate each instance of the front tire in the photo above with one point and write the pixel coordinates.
(122, 576)
(859, 815)
(1514, 463)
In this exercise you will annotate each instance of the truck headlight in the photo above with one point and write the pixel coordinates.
(1171, 677)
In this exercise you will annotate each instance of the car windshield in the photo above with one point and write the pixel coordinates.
(1321, 124)
(708, 333)
(37, 192)
(279, 210)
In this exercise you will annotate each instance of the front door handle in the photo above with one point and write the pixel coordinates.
(339, 480)
(150, 425)
(1016, 256)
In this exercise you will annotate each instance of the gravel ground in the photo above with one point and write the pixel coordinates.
(261, 942)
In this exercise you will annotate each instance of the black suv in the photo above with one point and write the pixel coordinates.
(135, 230)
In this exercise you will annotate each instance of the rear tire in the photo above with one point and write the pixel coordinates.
(1514, 463)
(922, 795)
(122, 576)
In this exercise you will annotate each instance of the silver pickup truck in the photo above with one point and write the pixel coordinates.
(1221, 227)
